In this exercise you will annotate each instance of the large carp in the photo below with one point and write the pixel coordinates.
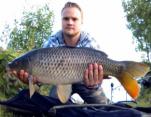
(63, 66)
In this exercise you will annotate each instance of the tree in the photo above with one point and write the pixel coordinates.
(138, 13)
(8, 85)
(33, 29)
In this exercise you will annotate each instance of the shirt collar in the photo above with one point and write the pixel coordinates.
(83, 35)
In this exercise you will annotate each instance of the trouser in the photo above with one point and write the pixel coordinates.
(88, 95)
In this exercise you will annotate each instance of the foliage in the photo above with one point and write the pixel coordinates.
(145, 94)
(4, 35)
(8, 85)
(33, 29)
(138, 13)
(145, 97)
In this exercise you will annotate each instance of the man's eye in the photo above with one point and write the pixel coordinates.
(74, 19)
(66, 18)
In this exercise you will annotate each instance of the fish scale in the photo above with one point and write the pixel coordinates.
(65, 61)
(64, 66)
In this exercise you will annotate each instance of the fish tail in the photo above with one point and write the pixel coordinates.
(127, 77)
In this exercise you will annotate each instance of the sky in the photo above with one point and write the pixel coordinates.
(104, 19)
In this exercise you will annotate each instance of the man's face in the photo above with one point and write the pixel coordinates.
(71, 21)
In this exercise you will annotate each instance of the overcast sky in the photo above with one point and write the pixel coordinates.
(103, 19)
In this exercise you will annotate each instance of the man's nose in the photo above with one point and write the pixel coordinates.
(70, 21)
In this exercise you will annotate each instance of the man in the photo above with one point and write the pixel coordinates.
(71, 35)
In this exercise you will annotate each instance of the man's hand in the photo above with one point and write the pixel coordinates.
(93, 75)
(23, 76)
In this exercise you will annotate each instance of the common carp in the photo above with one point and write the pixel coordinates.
(63, 66)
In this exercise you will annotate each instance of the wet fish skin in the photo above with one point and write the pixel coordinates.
(66, 65)
(63, 62)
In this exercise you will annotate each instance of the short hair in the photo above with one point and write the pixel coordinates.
(71, 5)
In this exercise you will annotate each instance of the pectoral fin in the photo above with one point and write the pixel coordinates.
(64, 92)
(31, 86)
